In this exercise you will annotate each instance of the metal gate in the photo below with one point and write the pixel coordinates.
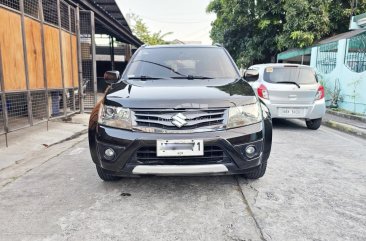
(87, 43)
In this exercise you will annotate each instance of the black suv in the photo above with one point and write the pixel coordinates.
(180, 110)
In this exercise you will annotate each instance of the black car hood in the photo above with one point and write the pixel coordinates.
(180, 94)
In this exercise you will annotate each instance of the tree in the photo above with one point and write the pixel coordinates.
(246, 28)
(305, 22)
(140, 29)
(254, 31)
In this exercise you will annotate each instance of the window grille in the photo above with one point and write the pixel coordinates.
(31, 8)
(50, 12)
(14, 4)
(39, 110)
(72, 20)
(65, 16)
(327, 57)
(356, 53)
(17, 107)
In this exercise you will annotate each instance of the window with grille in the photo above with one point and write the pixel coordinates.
(14, 4)
(72, 20)
(50, 11)
(65, 16)
(327, 57)
(356, 53)
(31, 8)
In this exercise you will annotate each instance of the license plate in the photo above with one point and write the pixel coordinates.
(291, 112)
(166, 148)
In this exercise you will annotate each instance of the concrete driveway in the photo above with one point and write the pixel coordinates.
(314, 189)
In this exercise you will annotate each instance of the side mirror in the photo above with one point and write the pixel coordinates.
(251, 75)
(111, 77)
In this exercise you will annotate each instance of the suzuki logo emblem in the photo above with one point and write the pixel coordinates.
(179, 120)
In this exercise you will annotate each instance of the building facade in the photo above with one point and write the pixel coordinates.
(48, 57)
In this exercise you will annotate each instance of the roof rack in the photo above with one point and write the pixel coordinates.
(217, 45)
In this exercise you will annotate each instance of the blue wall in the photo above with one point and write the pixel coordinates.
(352, 84)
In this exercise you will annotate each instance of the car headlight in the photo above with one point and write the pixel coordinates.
(113, 116)
(244, 115)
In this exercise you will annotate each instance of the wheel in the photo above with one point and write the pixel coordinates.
(314, 124)
(258, 172)
(106, 176)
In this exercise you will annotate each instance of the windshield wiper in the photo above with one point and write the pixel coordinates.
(190, 77)
(144, 77)
(161, 65)
(288, 82)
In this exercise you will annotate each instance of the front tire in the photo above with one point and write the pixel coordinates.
(258, 172)
(314, 124)
(106, 176)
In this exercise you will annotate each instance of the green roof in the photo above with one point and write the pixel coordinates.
(293, 53)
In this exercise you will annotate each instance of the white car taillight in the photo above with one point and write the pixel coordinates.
(320, 93)
(263, 92)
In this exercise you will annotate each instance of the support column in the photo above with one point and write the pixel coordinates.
(41, 17)
(29, 97)
(80, 64)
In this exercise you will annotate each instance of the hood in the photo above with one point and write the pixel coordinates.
(180, 94)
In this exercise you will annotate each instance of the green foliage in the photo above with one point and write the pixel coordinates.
(254, 31)
(141, 30)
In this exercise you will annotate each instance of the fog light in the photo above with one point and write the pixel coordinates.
(109, 154)
(250, 151)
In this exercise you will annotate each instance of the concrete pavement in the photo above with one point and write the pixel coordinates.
(28, 146)
(314, 189)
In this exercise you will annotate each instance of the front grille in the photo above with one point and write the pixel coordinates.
(212, 155)
(159, 118)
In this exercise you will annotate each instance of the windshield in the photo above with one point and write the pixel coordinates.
(182, 62)
(301, 76)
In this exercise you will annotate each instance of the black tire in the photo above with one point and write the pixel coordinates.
(258, 172)
(106, 176)
(314, 124)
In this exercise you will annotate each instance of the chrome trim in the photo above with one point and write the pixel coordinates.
(178, 131)
(165, 118)
(180, 169)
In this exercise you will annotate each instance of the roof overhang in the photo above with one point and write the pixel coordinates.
(292, 53)
(106, 23)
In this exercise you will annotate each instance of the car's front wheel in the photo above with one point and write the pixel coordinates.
(314, 124)
(258, 172)
(106, 176)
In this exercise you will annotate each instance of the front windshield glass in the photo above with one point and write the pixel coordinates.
(181, 62)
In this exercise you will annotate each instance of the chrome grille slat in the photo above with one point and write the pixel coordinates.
(190, 116)
(190, 122)
(163, 118)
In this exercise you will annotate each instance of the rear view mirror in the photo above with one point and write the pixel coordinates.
(251, 75)
(111, 77)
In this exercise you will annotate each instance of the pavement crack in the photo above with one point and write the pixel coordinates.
(248, 208)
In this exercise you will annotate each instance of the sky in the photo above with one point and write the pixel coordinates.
(187, 19)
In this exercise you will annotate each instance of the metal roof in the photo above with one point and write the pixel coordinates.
(110, 20)
(291, 53)
(111, 7)
(337, 37)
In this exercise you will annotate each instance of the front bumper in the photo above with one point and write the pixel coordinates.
(312, 111)
(128, 145)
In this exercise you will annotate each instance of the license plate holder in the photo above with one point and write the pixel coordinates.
(292, 112)
(178, 148)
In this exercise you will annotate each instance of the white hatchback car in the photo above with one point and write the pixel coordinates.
(289, 91)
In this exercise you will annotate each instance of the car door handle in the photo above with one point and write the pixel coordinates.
(292, 96)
